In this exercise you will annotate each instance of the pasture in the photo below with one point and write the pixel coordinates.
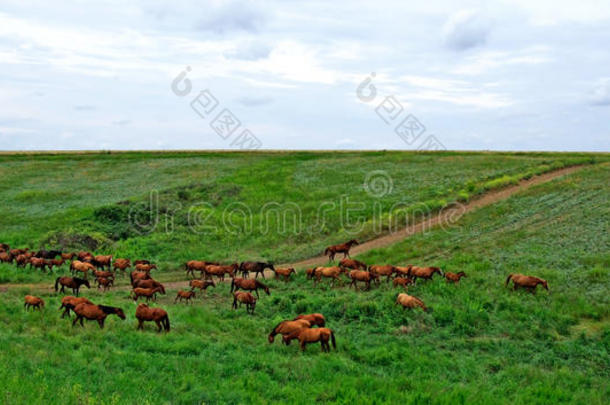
(482, 343)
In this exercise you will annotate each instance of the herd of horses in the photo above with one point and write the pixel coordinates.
(304, 328)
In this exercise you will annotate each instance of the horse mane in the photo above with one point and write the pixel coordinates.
(79, 280)
(107, 309)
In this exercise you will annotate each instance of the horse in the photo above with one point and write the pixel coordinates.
(47, 254)
(82, 267)
(186, 295)
(68, 256)
(149, 293)
(309, 335)
(149, 283)
(22, 260)
(102, 261)
(54, 262)
(363, 276)
(138, 275)
(400, 271)
(145, 267)
(6, 257)
(33, 302)
(383, 270)
(403, 281)
(84, 256)
(328, 272)
(104, 282)
(201, 284)
(71, 282)
(121, 264)
(105, 274)
(4, 247)
(94, 312)
(425, 273)
(284, 273)
(244, 298)
(219, 271)
(454, 277)
(526, 282)
(344, 248)
(146, 314)
(352, 264)
(196, 265)
(256, 267)
(409, 301)
(248, 285)
(287, 327)
(69, 302)
(314, 319)
(37, 263)
(141, 261)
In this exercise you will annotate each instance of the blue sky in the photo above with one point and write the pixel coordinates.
(503, 75)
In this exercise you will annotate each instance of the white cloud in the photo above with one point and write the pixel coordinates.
(466, 29)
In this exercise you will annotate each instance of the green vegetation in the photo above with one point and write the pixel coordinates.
(482, 343)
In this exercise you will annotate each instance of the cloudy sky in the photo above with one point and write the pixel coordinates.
(503, 75)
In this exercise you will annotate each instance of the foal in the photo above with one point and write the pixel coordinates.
(244, 298)
(33, 302)
(454, 277)
(185, 295)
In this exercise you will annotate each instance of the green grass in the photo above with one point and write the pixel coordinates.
(482, 343)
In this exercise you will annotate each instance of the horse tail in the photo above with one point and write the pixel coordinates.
(508, 279)
(232, 284)
(332, 338)
(56, 284)
(166, 322)
(327, 251)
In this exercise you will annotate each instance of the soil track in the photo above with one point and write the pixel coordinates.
(445, 217)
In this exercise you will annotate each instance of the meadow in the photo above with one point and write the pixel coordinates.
(482, 343)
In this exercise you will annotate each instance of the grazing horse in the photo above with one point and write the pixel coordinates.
(362, 276)
(185, 295)
(400, 271)
(201, 284)
(37, 263)
(256, 267)
(248, 285)
(284, 273)
(344, 248)
(84, 256)
(328, 272)
(287, 327)
(71, 282)
(6, 257)
(4, 246)
(196, 265)
(138, 275)
(82, 267)
(69, 302)
(121, 264)
(104, 282)
(22, 260)
(54, 262)
(68, 256)
(409, 301)
(47, 254)
(146, 314)
(149, 293)
(314, 319)
(145, 267)
(149, 283)
(425, 273)
(244, 298)
(454, 277)
(383, 270)
(220, 271)
(95, 313)
(141, 261)
(103, 261)
(526, 282)
(105, 274)
(35, 302)
(309, 335)
(352, 264)
(403, 281)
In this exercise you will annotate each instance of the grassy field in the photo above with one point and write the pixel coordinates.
(482, 343)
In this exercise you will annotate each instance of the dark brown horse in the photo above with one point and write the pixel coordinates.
(287, 327)
(102, 261)
(528, 283)
(257, 267)
(344, 248)
(146, 314)
(244, 298)
(309, 335)
(105, 283)
(71, 282)
(95, 313)
(248, 285)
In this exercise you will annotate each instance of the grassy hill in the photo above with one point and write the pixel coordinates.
(483, 343)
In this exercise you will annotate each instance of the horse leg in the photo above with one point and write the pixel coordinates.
(158, 325)
(101, 322)
(256, 291)
(140, 324)
(75, 320)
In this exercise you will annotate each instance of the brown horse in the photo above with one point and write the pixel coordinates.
(244, 298)
(219, 271)
(54, 263)
(105, 274)
(454, 277)
(146, 314)
(528, 283)
(68, 256)
(248, 285)
(37, 263)
(141, 261)
(145, 267)
(105, 283)
(400, 271)
(344, 248)
(409, 301)
(84, 256)
(201, 284)
(6, 257)
(185, 295)
(383, 270)
(138, 275)
(33, 302)
(287, 327)
(71, 282)
(309, 335)
(362, 276)
(257, 267)
(69, 302)
(328, 272)
(82, 267)
(22, 260)
(314, 319)
(148, 293)
(352, 264)
(403, 281)
(149, 283)
(425, 273)
(121, 264)
(196, 265)
(95, 313)
(284, 273)
(102, 261)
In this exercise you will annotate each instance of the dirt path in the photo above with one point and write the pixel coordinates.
(445, 217)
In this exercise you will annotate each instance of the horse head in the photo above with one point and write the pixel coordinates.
(120, 313)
